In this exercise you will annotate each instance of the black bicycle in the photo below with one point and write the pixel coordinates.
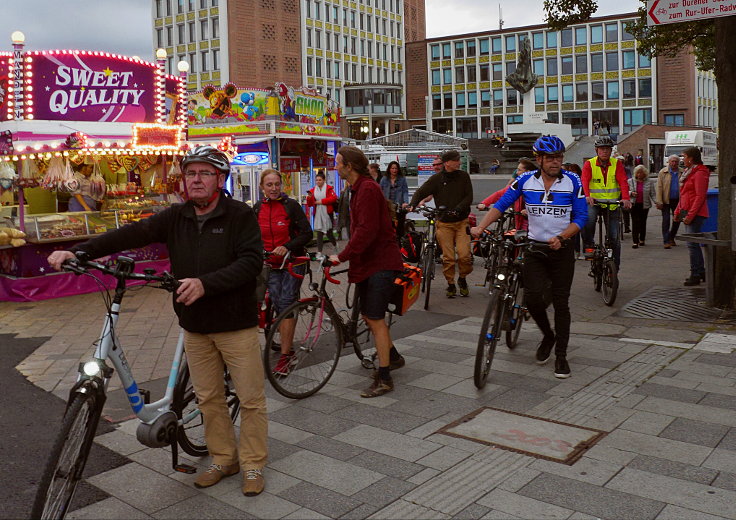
(603, 266)
(430, 249)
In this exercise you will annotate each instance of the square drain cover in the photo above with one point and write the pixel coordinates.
(534, 436)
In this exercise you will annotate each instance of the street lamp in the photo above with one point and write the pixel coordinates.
(370, 119)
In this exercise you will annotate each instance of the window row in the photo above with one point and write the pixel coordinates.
(163, 7)
(341, 43)
(209, 28)
(353, 19)
(202, 61)
(351, 72)
(593, 34)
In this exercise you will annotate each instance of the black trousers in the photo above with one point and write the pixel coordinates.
(639, 222)
(543, 269)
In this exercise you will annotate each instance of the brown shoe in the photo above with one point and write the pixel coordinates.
(378, 387)
(667, 245)
(253, 483)
(215, 473)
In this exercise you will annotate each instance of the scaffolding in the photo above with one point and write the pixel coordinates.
(413, 140)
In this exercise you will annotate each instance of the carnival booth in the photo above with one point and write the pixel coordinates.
(87, 144)
(292, 130)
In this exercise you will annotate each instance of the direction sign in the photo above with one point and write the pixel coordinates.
(676, 11)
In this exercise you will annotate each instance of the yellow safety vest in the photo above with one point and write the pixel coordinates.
(604, 188)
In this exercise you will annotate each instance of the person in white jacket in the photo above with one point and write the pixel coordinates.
(641, 192)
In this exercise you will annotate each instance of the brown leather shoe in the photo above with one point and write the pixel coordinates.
(378, 387)
(253, 483)
(215, 473)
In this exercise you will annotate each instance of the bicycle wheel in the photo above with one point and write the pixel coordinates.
(610, 282)
(190, 435)
(515, 315)
(318, 341)
(68, 458)
(427, 255)
(596, 271)
(429, 276)
(490, 332)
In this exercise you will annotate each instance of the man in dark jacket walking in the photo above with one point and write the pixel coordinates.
(216, 253)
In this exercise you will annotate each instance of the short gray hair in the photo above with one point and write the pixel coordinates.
(673, 156)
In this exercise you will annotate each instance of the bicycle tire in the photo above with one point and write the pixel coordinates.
(516, 312)
(190, 436)
(68, 457)
(610, 282)
(318, 342)
(488, 338)
(597, 270)
(430, 277)
(426, 262)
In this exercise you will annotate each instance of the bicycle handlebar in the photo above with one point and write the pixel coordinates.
(123, 270)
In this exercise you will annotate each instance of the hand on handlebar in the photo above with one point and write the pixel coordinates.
(590, 201)
(190, 290)
(57, 259)
(626, 204)
(280, 251)
(334, 259)
(476, 231)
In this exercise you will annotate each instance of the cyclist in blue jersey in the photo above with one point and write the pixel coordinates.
(557, 210)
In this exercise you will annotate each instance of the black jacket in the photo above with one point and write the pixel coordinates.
(226, 256)
(452, 190)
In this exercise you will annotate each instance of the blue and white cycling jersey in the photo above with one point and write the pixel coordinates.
(550, 212)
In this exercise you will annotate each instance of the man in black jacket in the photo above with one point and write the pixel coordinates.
(216, 253)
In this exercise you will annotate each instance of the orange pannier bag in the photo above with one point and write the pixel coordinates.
(406, 289)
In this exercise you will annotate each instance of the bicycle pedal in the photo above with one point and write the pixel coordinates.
(146, 394)
(185, 468)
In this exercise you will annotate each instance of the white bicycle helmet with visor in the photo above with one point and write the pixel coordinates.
(210, 155)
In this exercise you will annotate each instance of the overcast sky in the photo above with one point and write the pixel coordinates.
(124, 26)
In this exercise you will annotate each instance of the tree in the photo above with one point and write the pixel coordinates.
(713, 50)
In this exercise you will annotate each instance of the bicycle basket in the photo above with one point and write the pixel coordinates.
(406, 290)
(411, 246)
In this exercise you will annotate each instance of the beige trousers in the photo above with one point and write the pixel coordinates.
(452, 236)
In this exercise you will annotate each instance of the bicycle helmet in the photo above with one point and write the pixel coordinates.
(604, 140)
(207, 154)
(548, 144)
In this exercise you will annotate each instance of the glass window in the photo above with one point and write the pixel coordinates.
(192, 32)
(203, 61)
(497, 72)
(496, 45)
(472, 99)
(612, 90)
(612, 32)
(459, 74)
(644, 61)
(472, 74)
(328, 68)
(459, 50)
(180, 33)
(216, 27)
(626, 35)
(539, 94)
(581, 64)
(645, 87)
(446, 51)
(577, 120)
(612, 60)
(580, 35)
(553, 94)
(436, 101)
(510, 67)
(566, 64)
(596, 90)
(568, 93)
(485, 72)
(596, 34)
(498, 98)
(551, 39)
(484, 47)
(629, 88)
(581, 92)
(538, 40)
(310, 66)
(447, 76)
(460, 100)
(159, 37)
(515, 119)
(435, 77)
(596, 62)
(552, 66)
(447, 98)
(169, 36)
(192, 62)
(538, 65)
(485, 98)
(470, 44)
(510, 43)
(435, 49)
(636, 117)
(674, 119)
(215, 59)
(566, 38)
(511, 96)
(628, 60)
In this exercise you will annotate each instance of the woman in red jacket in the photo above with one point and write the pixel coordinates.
(692, 209)
(322, 198)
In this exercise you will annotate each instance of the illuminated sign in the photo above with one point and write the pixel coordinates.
(251, 158)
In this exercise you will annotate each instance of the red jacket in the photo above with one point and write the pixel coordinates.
(329, 200)
(372, 246)
(520, 221)
(693, 194)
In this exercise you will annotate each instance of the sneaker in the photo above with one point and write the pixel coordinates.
(284, 365)
(215, 473)
(253, 483)
(463, 284)
(667, 245)
(635, 246)
(693, 280)
(562, 369)
(544, 351)
(451, 290)
(581, 256)
(589, 253)
(397, 363)
(378, 387)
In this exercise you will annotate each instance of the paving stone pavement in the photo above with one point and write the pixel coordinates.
(662, 391)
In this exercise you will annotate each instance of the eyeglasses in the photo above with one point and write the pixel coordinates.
(204, 174)
(436, 164)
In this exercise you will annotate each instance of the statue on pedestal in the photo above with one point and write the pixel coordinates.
(523, 79)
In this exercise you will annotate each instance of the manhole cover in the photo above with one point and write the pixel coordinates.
(535, 436)
(667, 303)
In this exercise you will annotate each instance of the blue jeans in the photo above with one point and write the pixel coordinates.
(668, 234)
(614, 223)
(283, 289)
(697, 264)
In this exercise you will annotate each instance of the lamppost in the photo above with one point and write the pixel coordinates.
(370, 119)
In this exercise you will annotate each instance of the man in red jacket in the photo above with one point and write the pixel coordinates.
(375, 260)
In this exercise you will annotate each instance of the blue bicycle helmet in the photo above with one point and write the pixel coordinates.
(548, 145)
(210, 155)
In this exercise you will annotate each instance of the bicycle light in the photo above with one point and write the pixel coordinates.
(501, 276)
(91, 368)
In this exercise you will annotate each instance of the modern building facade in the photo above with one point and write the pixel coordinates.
(588, 72)
(352, 51)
